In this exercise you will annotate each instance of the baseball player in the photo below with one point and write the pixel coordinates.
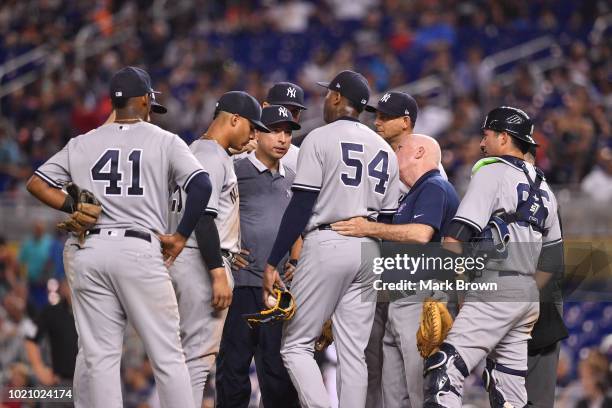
(509, 200)
(264, 183)
(290, 96)
(119, 268)
(423, 216)
(344, 170)
(202, 274)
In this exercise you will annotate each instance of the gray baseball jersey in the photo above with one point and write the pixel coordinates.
(224, 201)
(114, 276)
(499, 187)
(354, 170)
(127, 167)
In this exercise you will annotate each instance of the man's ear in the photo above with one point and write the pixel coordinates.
(234, 120)
(420, 152)
(406, 123)
(336, 97)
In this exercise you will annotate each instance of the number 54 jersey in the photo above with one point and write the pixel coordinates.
(129, 168)
(353, 169)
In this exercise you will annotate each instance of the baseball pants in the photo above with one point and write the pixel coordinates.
(80, 383)
(122, 278)
(491, 326)
(374, 356)
(402, 382)
(331, 280)
(201, 324)
(239, 345)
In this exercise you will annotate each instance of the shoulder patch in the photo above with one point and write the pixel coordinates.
(483, 162)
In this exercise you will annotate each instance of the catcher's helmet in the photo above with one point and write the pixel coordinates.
(511, 120)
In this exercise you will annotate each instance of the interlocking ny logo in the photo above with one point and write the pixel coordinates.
(283, 111)
(385, 97)
(291, 92)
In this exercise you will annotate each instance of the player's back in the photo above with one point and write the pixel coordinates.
(353, 169)
(128, 167)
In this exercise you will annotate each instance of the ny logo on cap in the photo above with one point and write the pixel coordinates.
(338, 85)
(291, 92)
(282, 111)
(364, 101)
(385, 97)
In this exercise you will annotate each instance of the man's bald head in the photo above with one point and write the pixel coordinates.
(417, 154)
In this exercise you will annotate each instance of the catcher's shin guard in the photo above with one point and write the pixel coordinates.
(437, 382)
(496, 396)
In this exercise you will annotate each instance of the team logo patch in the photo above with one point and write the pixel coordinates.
(338, 85)
(385, 97)
(291, 91)
(282, 111)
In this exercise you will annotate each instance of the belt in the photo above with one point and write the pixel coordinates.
(322, 227)
(128, 233)
(501, 274)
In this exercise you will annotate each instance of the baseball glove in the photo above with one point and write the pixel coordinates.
(283, 309)
(435, 324)
(86, 210)
(326, 338)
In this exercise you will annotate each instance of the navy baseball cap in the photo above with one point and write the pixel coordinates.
(352, 85)
(130, 82)
(156, 107)
(242, 104)
(273, 114)
(396, 104)
(286, 94)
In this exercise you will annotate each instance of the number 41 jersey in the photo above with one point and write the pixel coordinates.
(353, 169)
(129, 168)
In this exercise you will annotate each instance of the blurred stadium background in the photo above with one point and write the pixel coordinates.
(458, 58)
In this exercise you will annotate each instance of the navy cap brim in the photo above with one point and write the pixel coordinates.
(259, 126)
(292, 124)
(157, 107)
(373, 109)
(288, 103)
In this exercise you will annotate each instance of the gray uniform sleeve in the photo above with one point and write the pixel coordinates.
(216, 170)
(393, 193)
(183, 164)
(481, 199)
(309, 174)
(553, 224)
(55, 171)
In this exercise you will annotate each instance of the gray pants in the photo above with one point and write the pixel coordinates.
(331, 281)
(402, 382)
(201, 325)
(80, 383)
(489, 325)
(542, 377)
(123, 278)
(374, 356)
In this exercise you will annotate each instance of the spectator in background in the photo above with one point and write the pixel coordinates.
(17, 378)
(594, 373)
(8, 268)
(33, 257)
(55, 323)
(598, 183)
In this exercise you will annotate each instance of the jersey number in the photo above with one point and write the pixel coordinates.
(537, 210)
(107, 170)
(378, 168)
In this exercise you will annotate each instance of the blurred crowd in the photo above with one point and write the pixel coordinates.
(197, 53)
